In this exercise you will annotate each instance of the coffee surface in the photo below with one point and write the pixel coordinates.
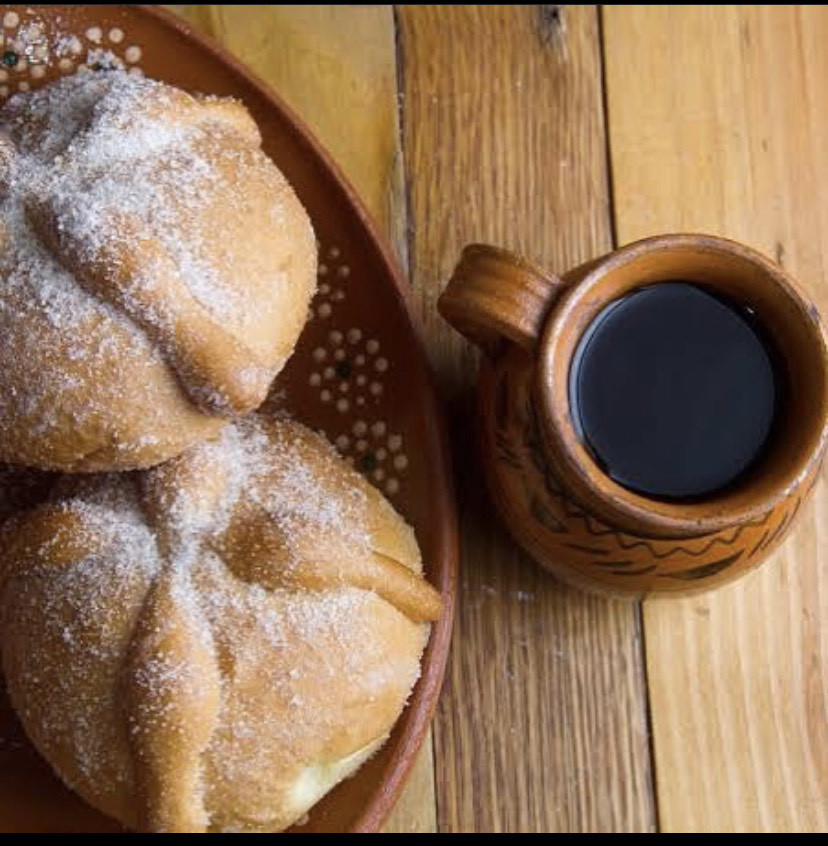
(674, 391)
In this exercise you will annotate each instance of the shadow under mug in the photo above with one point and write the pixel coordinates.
(555, 499)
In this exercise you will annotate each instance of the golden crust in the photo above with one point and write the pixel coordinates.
(213, 644)
(156, 272)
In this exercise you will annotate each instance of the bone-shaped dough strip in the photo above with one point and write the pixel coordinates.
(253, 546)
(172, 696)
(137, 276)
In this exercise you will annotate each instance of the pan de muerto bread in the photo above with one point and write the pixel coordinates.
(215, 643)
(155, 272)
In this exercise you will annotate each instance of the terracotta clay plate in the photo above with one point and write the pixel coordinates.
(359, 372)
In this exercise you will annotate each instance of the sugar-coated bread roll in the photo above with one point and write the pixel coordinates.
(155, 272)
(215, 643)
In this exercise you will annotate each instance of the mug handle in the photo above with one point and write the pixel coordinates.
(494, 294)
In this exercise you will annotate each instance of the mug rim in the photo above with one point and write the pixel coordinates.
(588, 482)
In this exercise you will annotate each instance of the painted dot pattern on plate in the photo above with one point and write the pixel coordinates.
(333, 278)
(33, 51)
(375, 452)
(349, 364)
(347, 372)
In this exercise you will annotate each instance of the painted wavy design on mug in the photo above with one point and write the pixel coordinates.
(595, 552)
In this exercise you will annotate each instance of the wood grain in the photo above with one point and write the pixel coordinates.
(542, 725)
(717, 122)
(336, 67)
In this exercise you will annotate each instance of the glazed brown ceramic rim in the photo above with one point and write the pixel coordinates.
(435, 657)
(589, 484)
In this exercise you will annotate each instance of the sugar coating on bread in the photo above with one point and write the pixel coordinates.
(156, 271)
(215, 643)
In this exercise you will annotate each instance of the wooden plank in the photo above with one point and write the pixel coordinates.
(336, 66)
(718, 123)
(542, 725)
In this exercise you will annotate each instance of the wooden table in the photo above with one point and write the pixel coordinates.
(560, 131)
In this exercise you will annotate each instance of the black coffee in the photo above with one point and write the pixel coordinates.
(674, 391)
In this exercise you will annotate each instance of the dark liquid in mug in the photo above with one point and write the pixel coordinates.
(674, 391)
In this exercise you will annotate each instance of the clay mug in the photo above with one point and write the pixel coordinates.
(557, 502)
